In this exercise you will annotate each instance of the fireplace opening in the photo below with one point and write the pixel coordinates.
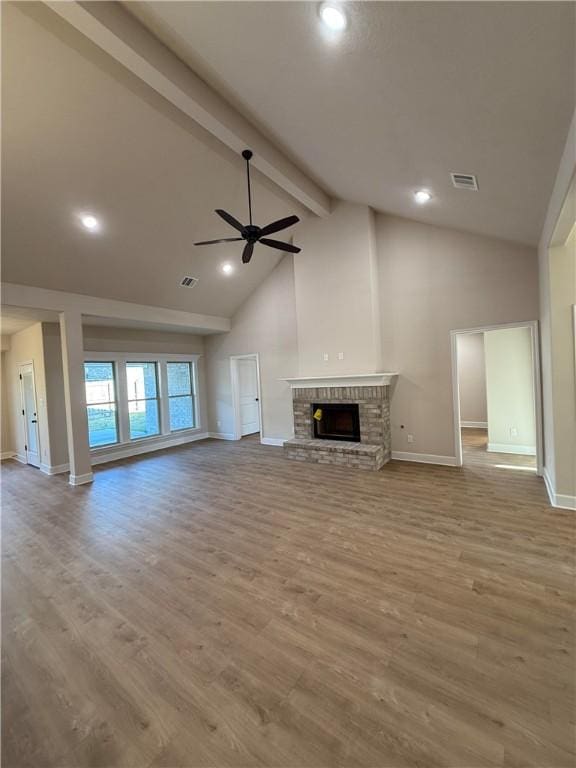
(336, 421)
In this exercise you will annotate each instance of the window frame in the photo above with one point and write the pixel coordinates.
(119, 360)
(129, 400)
(191, 394)
(109, 360)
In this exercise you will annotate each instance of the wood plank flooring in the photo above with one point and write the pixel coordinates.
(218, 605)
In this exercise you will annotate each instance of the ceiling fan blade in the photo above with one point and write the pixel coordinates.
(223, 240)
(276, 226)
(229, 219)
(280, 245)
(247, 253)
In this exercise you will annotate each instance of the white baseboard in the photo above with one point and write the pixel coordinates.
(524, 450)
(474, 424)
(221, 435)
(56, 469)
(21, 457)
(425, 458)
(81, 479)
(559, 500)
(279, 441)
(7, 455)
(135, 449)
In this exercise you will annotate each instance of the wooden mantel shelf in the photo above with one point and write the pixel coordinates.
(343, 380)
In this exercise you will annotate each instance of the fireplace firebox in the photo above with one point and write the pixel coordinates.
(336, 421)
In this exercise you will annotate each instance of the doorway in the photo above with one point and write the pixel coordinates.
(29, 414)
(245, 376)
(497, 397)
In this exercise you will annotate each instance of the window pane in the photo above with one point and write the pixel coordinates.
(143, 415)
(179, 379)
(181, 413)
(99, 382)
(102, 427)
(141, 378)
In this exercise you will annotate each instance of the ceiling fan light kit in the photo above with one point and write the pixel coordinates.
(251, 233)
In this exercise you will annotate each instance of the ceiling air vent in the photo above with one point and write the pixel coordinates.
(189, 282)
(464, 181)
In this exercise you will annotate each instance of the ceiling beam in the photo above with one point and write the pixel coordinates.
(29, 296)
(114, 30)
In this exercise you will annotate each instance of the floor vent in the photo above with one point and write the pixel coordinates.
(189, 282)
(464, 181)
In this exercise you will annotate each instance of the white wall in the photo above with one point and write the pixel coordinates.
(434, 280)
(510, 391)
(266, 324)
(472, 379)
(337, 306)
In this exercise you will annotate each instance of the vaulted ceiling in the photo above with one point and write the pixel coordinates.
(409, 92)
(82, 134)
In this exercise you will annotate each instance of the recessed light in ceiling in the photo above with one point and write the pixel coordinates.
(89, 222)
(333, 17)
(227, 268)
(422, 196)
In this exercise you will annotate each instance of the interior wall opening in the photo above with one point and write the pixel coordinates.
(497, 410)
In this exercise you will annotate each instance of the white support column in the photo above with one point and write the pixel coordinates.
(75, 398)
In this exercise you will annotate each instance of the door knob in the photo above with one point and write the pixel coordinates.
(257, 399)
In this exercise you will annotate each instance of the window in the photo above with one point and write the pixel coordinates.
(129, 400)
(180, 396)
(143, 413)
(100, 384)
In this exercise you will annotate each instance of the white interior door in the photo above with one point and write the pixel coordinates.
(30, 415)
(248, 396)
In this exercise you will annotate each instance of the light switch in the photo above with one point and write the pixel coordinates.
(325, 357)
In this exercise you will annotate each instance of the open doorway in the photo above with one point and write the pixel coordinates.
(246, 402)
(497, 408)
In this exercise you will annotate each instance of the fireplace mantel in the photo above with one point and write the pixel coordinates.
(347, 380)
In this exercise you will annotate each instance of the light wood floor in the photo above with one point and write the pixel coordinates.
(217, 605)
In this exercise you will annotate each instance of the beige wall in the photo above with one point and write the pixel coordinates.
(559, 221)
(562, 299)
(431, 281)
(27, 346)
(108, 339)
(266, 324)
(337, 307)
(55, 407)
(6, 446)
(510, 390)
(434, 280)
(472, 378)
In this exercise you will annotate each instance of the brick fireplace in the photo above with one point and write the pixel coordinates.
(314, 403)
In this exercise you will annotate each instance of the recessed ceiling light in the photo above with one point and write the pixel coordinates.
(227, 268)
(333, 17)
(422, 196)
(89, 222)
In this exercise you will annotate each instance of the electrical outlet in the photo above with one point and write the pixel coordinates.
(325, 357)
(340, 355)
(218, 423)
(410, 438)
(513, 432)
